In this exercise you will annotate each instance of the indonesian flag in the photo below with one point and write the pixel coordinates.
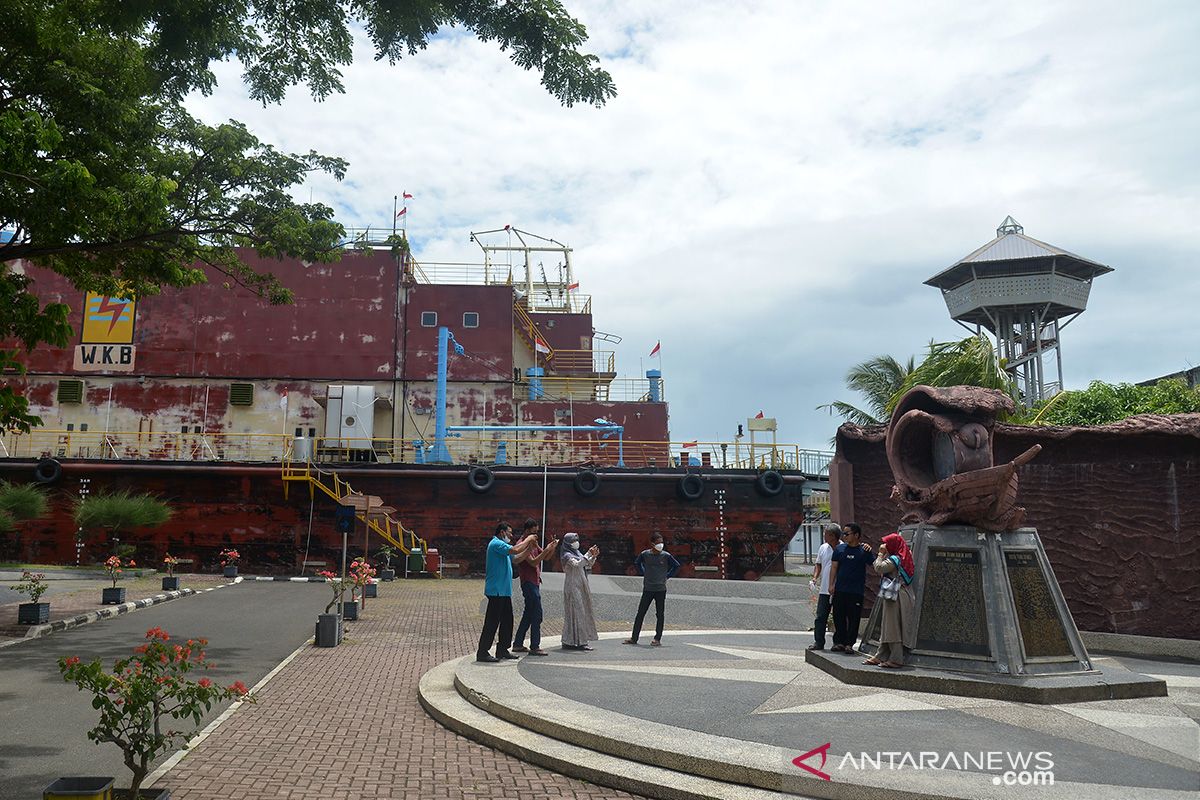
(657, 347)
(408, 196)
(691, 444)
(759, 415)
(539, 344)
(401, 213)
(573, 287)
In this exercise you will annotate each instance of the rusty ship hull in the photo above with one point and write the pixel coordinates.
(731, 531)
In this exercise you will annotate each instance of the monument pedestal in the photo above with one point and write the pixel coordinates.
(987, 603)
(991, 622)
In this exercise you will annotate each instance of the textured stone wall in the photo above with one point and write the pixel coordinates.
(1117, 507)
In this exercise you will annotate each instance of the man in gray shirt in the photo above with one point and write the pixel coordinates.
(656, 566)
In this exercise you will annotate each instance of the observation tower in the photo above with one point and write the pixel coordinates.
(1024, 292)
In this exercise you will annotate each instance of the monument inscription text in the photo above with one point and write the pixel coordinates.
(953, 617)
(1037, 615)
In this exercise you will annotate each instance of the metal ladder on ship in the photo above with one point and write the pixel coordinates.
(368, 512)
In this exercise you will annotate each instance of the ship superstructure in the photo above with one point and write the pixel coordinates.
(183, 391)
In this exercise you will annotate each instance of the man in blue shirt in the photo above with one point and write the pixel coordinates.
(848, 583)
(497, 588)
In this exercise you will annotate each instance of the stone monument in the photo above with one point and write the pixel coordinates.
(988, 607)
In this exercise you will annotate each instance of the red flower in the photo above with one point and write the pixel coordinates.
(72, 661)
(238, 688)
(204, 683)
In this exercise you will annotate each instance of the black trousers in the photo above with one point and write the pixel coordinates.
(498, 615)
(847, 614)
(822, 620)
(660, 600)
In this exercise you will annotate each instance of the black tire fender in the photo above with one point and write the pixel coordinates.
(481, 480)
(587, 483)
(769, 484)
(47, 471)
(690, 487)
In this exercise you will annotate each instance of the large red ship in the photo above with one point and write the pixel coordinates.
(437, 399)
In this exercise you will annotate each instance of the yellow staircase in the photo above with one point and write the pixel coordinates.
(530, 332)
(368, 508)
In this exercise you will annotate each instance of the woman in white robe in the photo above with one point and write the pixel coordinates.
(579, 623)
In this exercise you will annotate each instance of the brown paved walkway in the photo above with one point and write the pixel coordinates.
(344, 723)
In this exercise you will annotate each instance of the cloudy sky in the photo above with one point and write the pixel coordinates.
(775, 180)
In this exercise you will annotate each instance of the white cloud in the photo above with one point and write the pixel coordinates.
(775, 180)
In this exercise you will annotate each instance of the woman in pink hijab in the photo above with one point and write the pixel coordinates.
(895, 564)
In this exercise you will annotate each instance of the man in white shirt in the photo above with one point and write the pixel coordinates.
(833, 535)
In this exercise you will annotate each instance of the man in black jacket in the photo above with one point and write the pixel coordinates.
(656, 566)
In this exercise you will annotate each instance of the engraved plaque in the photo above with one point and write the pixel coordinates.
(1042, 630)
(953, 617)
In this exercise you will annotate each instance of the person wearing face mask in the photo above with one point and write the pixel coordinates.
(497, 587)
(579, 623)
(656, 566)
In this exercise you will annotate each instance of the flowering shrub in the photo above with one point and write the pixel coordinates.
(146, 690)
(337, 584)
(170, 561)
(32, 584)
(229, 557)
(113, 566)
(359, 574)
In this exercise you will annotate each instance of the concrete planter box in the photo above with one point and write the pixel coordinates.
(170, 584)
(231, 571)
(75, 788)
(387, 574)
(350, 610)
(111, 597)
(371, 590)
(329, 630)
(97, 789)
(33, 613)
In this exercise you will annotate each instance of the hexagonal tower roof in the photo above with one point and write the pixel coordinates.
(1004, 274)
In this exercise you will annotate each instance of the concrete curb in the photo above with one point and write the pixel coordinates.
(109, 612)
(1126, 644)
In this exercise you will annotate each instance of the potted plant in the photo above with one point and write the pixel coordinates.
(387, 553)
(329, 627)
(115, 568)
(33, 612)
(142, 693)
(170, 583)
(359, 575)
(229, 558)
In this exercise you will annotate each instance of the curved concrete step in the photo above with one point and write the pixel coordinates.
(495, 704)
(441, 700)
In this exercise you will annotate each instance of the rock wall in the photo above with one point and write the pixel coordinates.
(1117, 507)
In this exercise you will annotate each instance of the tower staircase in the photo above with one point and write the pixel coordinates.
(369, 509)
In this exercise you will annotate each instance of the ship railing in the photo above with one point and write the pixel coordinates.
(597, 361)
(588, 388)
(541, 295)
(518, 449)
(146, 445)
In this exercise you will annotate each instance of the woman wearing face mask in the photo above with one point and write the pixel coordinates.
(579, 624)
